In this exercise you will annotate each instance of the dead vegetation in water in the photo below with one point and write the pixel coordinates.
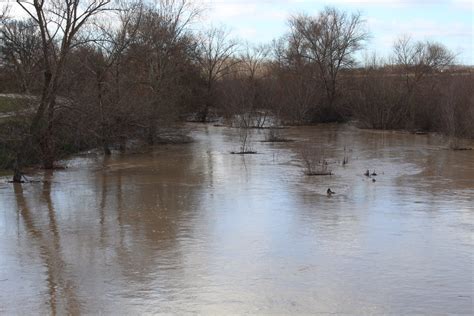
(456, 144)
(347, 153)
(315, 162)
(274, 136)
(245, 137)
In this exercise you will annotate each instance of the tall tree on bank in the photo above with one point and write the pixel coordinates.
(59, 23)
(216, 53)
(105, 64)
(162, 50)
(330, 41)
(417, 60)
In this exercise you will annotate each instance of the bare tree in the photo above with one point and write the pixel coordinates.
(296, 90)
(112, 43)
(163, 46)
(216, 58)
(329, 40)
(456, 105)
(417, 60)
(58, 22)
(376, 98)
(253, 61)
(20, 50)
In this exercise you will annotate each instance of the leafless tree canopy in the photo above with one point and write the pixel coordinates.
(105, 74)
(216, 59)
(329, 40)
(21, 49)
(421, 58)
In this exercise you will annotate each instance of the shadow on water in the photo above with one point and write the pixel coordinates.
(61, 287)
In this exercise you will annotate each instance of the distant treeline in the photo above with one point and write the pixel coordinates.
(101, 72)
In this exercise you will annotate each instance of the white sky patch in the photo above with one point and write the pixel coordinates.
(464, 4)
(385, 3)
(14, 10)
(246, 32)
(226, 10)
(277, 14)
(420, 27)
(370, 2)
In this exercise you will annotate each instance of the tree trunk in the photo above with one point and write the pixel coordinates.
(106, 148)
(203, 115)
(103, 128)
(47, 144)
(17, 171)
(48, 151)
(151, 132)
(35, 124)
(123, 144)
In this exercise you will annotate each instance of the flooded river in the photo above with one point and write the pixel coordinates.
(193, 229)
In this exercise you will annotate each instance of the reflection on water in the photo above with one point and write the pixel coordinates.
(191, 228)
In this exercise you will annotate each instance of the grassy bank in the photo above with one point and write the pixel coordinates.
(11, 104)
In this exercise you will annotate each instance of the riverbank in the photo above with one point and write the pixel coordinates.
(181, 135)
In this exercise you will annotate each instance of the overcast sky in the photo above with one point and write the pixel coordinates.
(447, 21)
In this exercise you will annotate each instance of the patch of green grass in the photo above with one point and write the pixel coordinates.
(12, 104)
(5, 173)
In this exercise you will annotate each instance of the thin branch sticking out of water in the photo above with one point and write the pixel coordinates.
(314, 162)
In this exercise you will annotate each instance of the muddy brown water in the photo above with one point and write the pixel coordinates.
(192, 229)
